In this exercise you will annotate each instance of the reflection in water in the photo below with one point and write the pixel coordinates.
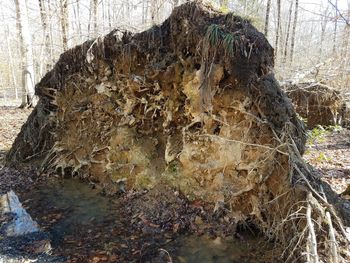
(199, 249)
(85, 209)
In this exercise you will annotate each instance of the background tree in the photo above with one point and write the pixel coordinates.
(278, 28)
(28, 78)
(324, 21)
(64, 23)
(287, 33)
(335, 26)
(292, 44)
(267, 16)
(46, 59)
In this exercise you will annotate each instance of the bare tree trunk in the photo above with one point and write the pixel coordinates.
(11, 65)
(292, 44)
(144, 13)
(114, 11)
(76, 11)
(154, 12)
(64, 23)
(278, 27)
(28, 80)
(345, 51)
(267, 17)
(147, 3)
(287, 34)
(49, 14)
(22, 51)
(103, 16)
(89, 22)
(347, 54)
(324, 21)
(345, 44)
(128, 13)
(43, 16)
(335, 27)
(94, 4)
(109, 15)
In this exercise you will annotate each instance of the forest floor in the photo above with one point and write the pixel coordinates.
(87, 227)
(11, 121)
(328, 150)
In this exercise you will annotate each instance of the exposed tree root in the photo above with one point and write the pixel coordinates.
(318, 104)
(192, 104)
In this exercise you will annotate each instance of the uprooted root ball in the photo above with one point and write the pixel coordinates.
(318, 104)
(191, 103)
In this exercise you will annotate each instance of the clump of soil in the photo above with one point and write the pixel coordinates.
(191, 104)
(318, 104)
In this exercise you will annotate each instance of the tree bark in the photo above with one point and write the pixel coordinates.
(292, 44)
(49, 15)
(11, 65)
(43, 16)
(335, 28)
(154, 12)
(345, 44)
(77, 19)
(287, 34)
(144, 14)
(103, 22)
(28, 79)
(109, 15)
(64, 23)
(345, 51)
(146, 11)
(94, 4)
(278, 27)
(324, 21)
(267, 17)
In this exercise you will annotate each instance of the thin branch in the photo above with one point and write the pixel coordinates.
(347, 21)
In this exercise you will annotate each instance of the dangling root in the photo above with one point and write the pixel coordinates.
(327, 239)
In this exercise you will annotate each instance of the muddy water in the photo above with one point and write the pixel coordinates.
(198, 249)
(78, 206)
(74, 210)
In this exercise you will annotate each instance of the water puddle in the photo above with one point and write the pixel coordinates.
(84, 223)
(199, 249)
(78, 206)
